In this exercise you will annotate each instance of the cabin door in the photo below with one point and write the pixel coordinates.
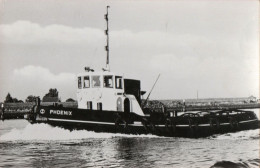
(126, 106)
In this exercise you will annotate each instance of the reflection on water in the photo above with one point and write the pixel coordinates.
(62, 148)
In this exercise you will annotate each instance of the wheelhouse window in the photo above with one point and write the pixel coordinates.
(108, 81)
(95, 81)
(79, 82)
(86, 82)
(119, 84)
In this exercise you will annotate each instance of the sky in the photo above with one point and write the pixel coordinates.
(204, 46)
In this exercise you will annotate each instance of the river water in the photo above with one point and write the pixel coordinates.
(40, 145)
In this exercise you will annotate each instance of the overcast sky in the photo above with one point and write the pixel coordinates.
(209, 46)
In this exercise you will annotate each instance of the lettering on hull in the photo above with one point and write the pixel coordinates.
(61, 112)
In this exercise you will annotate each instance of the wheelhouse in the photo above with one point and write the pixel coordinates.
(107, 91)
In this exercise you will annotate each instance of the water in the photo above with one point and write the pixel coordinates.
(40, 145)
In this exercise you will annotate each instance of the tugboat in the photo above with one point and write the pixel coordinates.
(109, 102)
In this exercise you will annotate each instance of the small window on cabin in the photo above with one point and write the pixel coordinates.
(79, 82)
(99, 106)
(95, 81)
(89, 105)
(108, 81)
(118, 82)
(86, 82)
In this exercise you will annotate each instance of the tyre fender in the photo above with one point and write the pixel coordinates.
(233, 123)
(170, 125)
(214, 123)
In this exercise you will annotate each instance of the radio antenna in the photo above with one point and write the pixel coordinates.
(107, 46)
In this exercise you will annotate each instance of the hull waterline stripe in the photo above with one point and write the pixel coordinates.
(106, 123)
(224, 124)
(206, 125)
(136, 124)
(91, 122)
(248, 121)
(239, 122)
(81, 121)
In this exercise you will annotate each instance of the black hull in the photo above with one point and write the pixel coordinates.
(160, 130)
(130, 123)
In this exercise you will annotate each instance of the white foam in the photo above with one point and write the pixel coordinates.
(248, 134)
(47, 132)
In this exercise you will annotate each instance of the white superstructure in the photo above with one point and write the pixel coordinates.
(105, 91)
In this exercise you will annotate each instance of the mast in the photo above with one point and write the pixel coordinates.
(107, 46)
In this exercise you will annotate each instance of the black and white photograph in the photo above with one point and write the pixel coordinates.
(129, 83)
